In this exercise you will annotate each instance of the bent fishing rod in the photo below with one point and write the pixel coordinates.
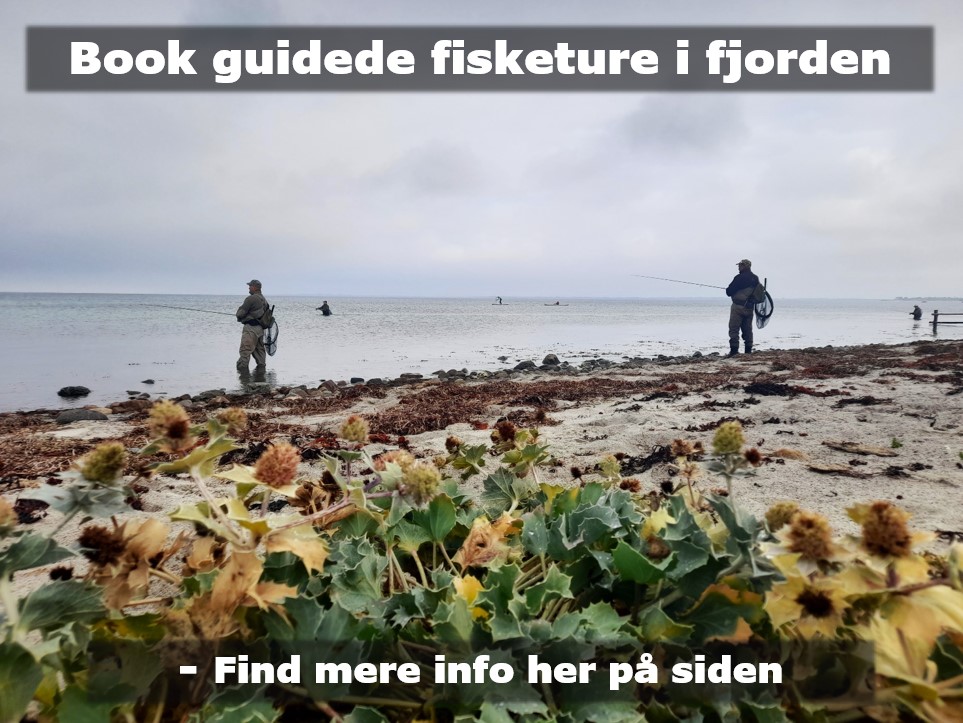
(676, 281)
(187, 308)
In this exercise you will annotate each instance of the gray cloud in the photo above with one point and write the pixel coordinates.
(672, 123)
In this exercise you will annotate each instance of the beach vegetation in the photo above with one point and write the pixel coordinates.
(391, 559)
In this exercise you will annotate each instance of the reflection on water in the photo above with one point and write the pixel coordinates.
(260, 376)
(112, 343)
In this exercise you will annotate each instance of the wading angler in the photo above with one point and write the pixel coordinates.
(252, 313)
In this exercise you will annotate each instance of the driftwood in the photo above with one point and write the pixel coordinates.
(841, 469)
(856, 448)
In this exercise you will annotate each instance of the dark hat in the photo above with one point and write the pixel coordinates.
(253, 282)
(745, 262)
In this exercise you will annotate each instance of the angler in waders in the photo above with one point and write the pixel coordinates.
(251, 313)
(740, 313)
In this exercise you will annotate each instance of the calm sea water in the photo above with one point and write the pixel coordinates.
(111, 343)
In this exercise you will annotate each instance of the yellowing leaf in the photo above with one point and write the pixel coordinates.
(239, 513)
(467, 588)
(550, 492)
(145, 539)
(741, 634)
(266, 594)
(507, 525)
(906, 628)
(304, 542)
(656, 522)
(483, 545)
(238, 576)
(201, 557)
(239, 473)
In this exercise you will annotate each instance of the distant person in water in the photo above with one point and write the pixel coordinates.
(325, 309)
(743, 305)
(558, 303)
(917, 312)
(499, 300)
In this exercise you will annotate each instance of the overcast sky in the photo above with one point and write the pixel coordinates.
(460, 194)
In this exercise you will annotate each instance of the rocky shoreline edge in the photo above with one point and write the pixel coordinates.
(526, 369)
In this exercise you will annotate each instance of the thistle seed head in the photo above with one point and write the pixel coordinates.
(169, 420)
(780, 514)
(105, 463)
(885, 532)
(399, 456)
(811, 536)
(355, 429)
(420, 483)
(234, 418)
(278, 465)
(728, 438)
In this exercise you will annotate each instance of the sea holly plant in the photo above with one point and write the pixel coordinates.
(388, 558)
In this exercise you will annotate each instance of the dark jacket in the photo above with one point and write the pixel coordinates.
(253, 308)
(741, 287)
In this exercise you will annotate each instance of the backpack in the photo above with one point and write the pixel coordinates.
(267, 319)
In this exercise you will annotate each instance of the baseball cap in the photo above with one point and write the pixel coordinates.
(745, 262)
(253, 282)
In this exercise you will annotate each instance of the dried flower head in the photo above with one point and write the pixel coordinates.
(453, 444)
(728, 438)
(61, 572)
(105, 463)
(504, 432)
(101, 545)
(420, 483)
(8, 516)
(355, 429)
(753, 457)
(234, 418)
(690, 471)
(278, 465)
(682, 448)
(810, 536)
(885, 532)
(656, 549)
(780, 514)
(169, 420)
(609, 467)
(631, 485)
(439, 461)
(310, 496)
(398, 456)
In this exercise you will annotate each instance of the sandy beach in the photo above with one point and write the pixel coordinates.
(834, 426)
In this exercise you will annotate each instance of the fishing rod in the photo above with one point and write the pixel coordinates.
(187, 308)
(693, 283)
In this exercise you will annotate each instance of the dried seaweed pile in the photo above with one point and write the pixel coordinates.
(439, 406)
(858, 361)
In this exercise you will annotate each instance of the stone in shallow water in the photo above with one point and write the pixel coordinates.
(80, 415)
(73, 392)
